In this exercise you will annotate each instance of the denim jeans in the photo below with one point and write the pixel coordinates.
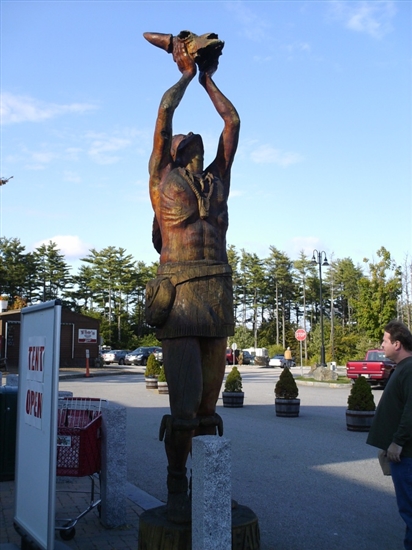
(402, 481)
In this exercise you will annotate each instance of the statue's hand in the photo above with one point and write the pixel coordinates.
(208, 70)
(184, 61)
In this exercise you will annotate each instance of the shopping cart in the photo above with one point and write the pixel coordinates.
(78, 450)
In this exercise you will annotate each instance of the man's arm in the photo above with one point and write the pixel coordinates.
(230, 136)
(404, 430)
(162, 140)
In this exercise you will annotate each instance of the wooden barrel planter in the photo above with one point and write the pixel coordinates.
(287, 407)
(162, 387)
(233, 399)
(359, 421)
(151, 383)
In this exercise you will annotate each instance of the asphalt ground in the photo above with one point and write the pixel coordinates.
(311, 482)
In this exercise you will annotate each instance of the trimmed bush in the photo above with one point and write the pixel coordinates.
(286, 387)
(361, 396)
(162, 375)
(233, 381)
(152, 367)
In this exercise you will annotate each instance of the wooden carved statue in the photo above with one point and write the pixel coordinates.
(190, 301)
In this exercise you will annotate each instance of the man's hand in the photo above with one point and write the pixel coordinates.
(184, 61)
(394, 452)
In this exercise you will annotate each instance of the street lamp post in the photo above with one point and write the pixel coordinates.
(317, 259)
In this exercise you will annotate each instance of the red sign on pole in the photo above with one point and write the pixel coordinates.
(300, 334)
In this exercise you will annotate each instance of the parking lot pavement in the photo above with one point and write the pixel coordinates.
(312, 484)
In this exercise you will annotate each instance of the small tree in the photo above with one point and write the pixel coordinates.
(152, 367)
(233, 381)
(361, 396)
(162, 375)
(286, 387)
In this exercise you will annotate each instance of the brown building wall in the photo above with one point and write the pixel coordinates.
(72, 351)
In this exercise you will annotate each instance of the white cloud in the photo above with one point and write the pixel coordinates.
(102, 145)
(252, 26)
(307, 244)
(297, 47)
(373, 18)
(266, 154)
(69, 245)
(15, 108)
(72, 177)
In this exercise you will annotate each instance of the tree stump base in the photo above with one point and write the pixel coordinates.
(156, 531)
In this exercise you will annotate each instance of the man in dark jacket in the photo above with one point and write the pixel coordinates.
(391, 429)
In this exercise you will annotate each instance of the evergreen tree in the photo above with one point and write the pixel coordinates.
(53, 278)
(378, 295)
(13, 271)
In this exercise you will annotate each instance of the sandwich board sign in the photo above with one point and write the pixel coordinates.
(36, 440)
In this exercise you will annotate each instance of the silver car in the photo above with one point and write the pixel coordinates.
(114, 356)
(140, 355)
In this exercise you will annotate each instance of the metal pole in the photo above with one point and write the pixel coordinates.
(322, 347)
(317, 258)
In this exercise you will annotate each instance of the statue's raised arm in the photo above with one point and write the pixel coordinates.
(230, 136)
(162, 141)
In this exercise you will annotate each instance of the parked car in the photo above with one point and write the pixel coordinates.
(139, 356)
(114, 356)
(229, 356)
(280, 361)
(248, 358)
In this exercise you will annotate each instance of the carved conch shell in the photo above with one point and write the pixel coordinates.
(204, 49)
(164, 41)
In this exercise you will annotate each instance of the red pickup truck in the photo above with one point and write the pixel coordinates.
(376, 368)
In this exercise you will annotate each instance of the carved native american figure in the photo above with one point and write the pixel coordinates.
(190, 302)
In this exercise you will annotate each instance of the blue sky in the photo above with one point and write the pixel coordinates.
(323, 90)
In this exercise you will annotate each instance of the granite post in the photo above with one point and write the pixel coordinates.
(113, 479)
(211, 493)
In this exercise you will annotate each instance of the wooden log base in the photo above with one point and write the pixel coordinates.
(156, 532)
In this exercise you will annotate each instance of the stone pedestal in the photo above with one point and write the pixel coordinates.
(218, 523)
(156, 532)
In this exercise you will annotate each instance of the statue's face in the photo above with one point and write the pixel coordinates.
(188, 148)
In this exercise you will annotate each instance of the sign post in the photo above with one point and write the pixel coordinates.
(300, 336)
(36, 440)
(234, 348)
(87, 363)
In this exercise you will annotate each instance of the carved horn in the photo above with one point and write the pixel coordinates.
(163, 41)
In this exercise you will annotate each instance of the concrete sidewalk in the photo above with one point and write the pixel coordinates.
(73, 497)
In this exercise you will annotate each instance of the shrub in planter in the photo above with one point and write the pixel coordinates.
(361, 406)
(233, 395)
(152, 372)
(286, 393)
(361, 396)
(162, 382)
(162, 375)
(233, 381)
(152, 367)
(286, 387)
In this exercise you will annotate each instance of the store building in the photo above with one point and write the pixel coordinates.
(78, 334)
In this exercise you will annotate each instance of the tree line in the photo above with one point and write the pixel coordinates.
(273, 296)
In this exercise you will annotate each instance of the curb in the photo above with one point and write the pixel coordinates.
(322, 384)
